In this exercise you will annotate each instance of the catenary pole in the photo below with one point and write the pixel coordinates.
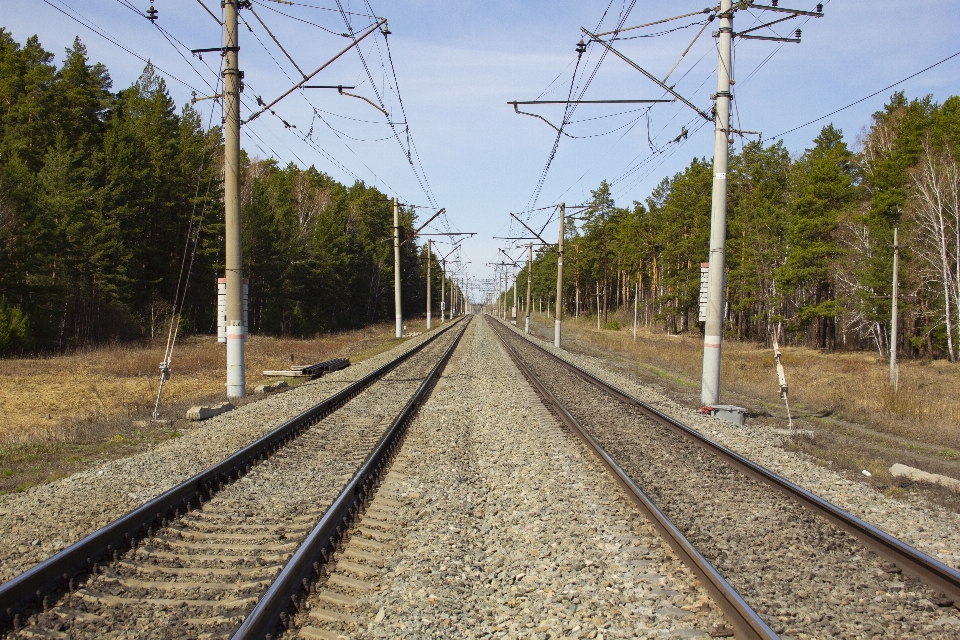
(233, 252)
(894, 370)
(559, 316)
(513, 276)
(529, 286)
(503, 295)
(396, 267)
(429, 320)
(598, 305)
(713, 331)
(443, 285)
(636, 296)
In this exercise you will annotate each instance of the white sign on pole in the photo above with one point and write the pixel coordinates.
(704, 286)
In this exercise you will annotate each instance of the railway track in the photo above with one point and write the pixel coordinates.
(236, 544)
(777, 559)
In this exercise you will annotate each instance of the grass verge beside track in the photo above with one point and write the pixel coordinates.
(62, 414)
(860, 422)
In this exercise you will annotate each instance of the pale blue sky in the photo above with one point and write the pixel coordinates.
(458, 63)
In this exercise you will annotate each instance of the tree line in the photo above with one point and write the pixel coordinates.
(109, 201)
(809, 240)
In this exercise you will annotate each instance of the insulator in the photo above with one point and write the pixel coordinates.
(797, 33)
(152, 16)
(581, 47)
(819, 7)
(774, 2)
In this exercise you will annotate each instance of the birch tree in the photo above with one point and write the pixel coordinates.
(935, 184)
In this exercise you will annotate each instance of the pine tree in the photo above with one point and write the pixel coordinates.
(824, 189)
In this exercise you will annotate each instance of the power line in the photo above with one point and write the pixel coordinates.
(313, 6)
(875, 93)
(312, 24)
(424, 185)
(117, 43)
(306, 138)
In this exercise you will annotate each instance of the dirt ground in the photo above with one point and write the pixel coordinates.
(61, 414)
(860, 421)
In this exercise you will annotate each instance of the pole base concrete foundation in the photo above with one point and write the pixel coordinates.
(236, 379)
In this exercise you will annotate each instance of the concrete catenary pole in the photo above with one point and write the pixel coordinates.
(443, 285)
(396, 267)
(503, 295)
(636, 296)
(233, 253)
(598, 305)
(529, 285)
(713, 331)
(513, 276)
(894, 369)
(429, 320)
(556, 322)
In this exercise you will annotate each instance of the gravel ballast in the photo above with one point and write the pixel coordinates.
(926, 526)
(44, 519)
(503, 525)
(807, 578)
(199, 574)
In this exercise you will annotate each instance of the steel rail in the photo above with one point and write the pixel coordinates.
(287, 589)
(746, 622)
(31, 586)
(910, 560)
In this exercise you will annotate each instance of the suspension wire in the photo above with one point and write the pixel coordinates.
(403, 111)
(424, 185)
(114, 41)
(571, 107)
(662, 33)
(308, 138)
(312, 24)
(313, 6)
(175, 315)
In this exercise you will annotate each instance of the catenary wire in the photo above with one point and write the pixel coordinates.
(117, 43)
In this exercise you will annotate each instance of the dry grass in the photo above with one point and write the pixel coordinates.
(849, 386)
(63, 398)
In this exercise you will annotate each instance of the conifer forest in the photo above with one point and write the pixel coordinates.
(110, 200)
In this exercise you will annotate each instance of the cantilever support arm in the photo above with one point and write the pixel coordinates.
(368, 100)
(531, 230)
(648, 74)
(423, 226)
(534, 115)
(326, 64)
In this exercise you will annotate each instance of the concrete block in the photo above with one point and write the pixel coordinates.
(728, 412)
(202, 413)
(903, 471)
(270, 388)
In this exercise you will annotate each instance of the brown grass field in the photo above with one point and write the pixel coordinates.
(851, 386)
(63, 413)
(50, 398)
(861, 422)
